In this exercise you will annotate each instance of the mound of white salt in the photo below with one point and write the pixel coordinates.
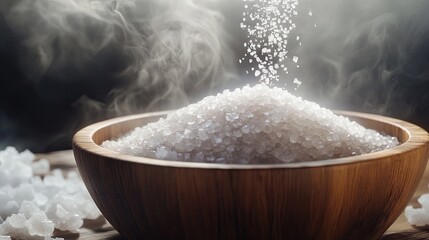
(31, 207)
(251, 125)
(419, 216)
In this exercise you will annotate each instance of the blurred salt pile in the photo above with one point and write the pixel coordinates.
(251, 125)
(31, 207)
(419, 216)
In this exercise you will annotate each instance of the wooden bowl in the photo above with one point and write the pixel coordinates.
(356, 197)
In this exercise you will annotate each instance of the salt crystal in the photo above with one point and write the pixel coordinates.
(245, 129)
(40, 199)
(217, 140)
(39, 225)
(16, 220)
(10, 208)
(296, 81)
(40, 167)
(231, 117)
(26, 200)
(295, 59)
(202, 134)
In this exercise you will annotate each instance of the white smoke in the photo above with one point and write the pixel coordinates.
(138, 55)
(369, 56)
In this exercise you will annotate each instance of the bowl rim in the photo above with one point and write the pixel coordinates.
(418, 137)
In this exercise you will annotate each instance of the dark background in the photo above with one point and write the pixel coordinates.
(64, 67)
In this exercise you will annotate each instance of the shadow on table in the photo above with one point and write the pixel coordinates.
(92, 229)
(417, 234)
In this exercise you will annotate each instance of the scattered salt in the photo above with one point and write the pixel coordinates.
(41, 167)
(419, 216)
(252, 125)
(30, 204)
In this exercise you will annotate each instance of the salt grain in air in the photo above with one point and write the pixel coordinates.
(252, 125)
(268, 25)
(295, 59)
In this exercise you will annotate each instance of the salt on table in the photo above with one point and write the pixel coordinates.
(419, 216)
(31, 207)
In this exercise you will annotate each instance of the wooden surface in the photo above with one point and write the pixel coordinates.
(400, 230)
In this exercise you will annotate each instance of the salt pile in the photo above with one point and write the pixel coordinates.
(251, 125)
(419, 216)
(31, 207)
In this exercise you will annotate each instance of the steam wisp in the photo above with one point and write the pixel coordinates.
(97, 59)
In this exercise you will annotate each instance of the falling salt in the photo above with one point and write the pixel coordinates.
(296, 81)
(252, 125)
(268, 26)
(30, 205)
(295, 59)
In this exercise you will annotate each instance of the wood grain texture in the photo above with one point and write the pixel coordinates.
(350, 198)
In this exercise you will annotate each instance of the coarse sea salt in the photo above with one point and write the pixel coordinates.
(419, 216)
(31, 206)
(256, 124)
